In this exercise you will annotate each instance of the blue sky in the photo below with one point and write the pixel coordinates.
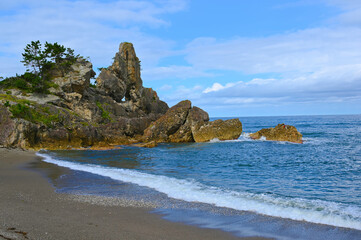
(230, 57)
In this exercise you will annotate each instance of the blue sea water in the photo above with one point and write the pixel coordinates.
(248, 187)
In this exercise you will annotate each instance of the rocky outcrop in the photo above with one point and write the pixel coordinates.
(222, 130)
(74, 80)
(122, 79)
(184, 123)
(122, 82)
(281, 132)
(115, 112)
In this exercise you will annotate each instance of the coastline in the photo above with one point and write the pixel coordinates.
(31, 209)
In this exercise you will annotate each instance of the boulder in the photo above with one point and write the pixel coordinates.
(222, 130)
(281, 132)
(184, 134)
(168, 124)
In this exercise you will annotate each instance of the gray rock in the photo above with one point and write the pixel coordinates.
(77, 79)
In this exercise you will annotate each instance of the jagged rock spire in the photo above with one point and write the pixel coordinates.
(122, 79)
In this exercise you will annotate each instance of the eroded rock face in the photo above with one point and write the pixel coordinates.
(222, 130)
(122, 79)
(281, 132)
(122, 82)
(184, 123)
(169, 123)
(196, 116)
(76, 79)
(6, 125)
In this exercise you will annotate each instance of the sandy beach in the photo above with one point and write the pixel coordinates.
(31, 209)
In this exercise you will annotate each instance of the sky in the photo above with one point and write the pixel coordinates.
(230, 57)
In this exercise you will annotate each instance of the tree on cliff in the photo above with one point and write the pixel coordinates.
(40, 61)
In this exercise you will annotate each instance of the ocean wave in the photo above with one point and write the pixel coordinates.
(314, 211)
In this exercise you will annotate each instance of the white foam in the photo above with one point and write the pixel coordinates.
(314, 211)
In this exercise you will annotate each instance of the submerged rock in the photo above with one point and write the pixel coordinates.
(281, 132)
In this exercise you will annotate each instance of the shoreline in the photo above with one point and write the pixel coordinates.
(31, 209)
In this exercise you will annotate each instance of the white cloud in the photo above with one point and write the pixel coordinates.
(92, 28)
(329, 84)
(302, 51)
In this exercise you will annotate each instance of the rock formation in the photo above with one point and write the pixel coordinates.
(75, 80)
(281, 132)
(119, 110)
(123, 83)
(184, 123)
(78, 115)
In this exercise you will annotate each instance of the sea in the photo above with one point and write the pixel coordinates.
(271, 189)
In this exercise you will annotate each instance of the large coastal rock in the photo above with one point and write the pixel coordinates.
(222, 130)
(184, 123)
(169, 123)
(281, 132)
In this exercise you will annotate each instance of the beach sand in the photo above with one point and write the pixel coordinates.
(31, 209)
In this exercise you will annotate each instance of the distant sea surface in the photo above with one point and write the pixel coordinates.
(248, 187)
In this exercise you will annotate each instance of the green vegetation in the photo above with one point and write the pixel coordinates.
(104, 113)
(35, 115)
(28, 82)
(30, 111)
(40, 62)
(11, 98)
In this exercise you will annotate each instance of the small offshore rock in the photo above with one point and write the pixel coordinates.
(222, 130)
(281, 132)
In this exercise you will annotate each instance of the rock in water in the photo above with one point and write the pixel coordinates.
(169, 123)
(281, 132)
(223, 130)
(184, 123)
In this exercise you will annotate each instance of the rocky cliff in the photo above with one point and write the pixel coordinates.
(118, 110)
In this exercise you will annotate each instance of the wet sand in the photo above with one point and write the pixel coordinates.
(31, 209)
